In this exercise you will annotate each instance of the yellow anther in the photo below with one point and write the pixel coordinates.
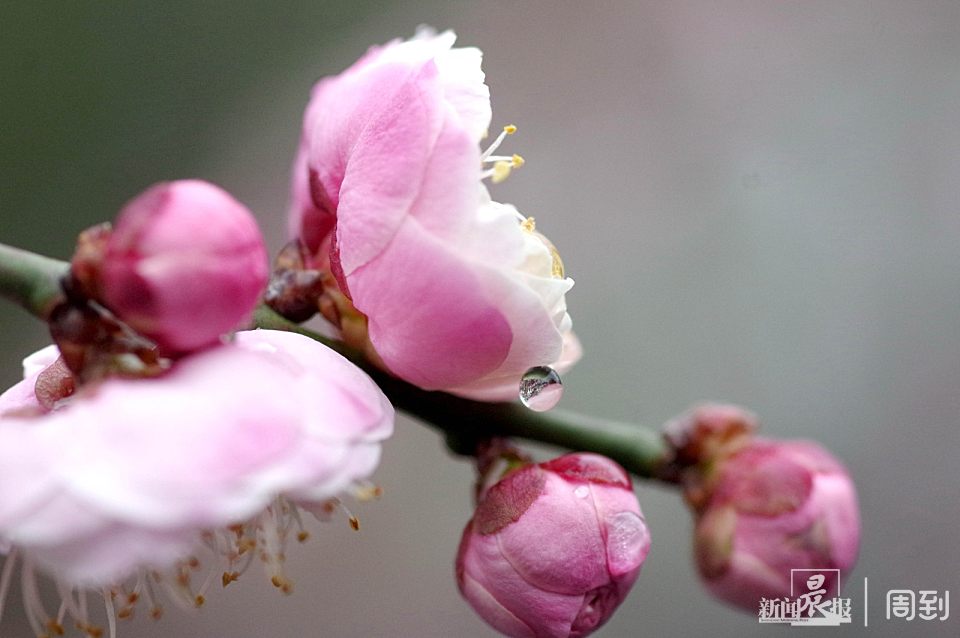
(501, 171)
(529, 224)
(303, 536)
(517, 161)
(355, 523)
(199, 600)
(510, 129)
(282, 583)
(369, 492)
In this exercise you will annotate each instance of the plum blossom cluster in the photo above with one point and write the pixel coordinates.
(158, 447)
(151, 488)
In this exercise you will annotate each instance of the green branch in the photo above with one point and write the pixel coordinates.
(33, 282)
(640, 450)
(30, 280)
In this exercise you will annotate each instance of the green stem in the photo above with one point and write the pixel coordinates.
(639, 449)
(31, 280)
(34, 282)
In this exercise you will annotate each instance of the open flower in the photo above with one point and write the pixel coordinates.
(120, 486)
(553, 548)
(459, 292)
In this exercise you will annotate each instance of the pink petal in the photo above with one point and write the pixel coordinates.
(433, 330)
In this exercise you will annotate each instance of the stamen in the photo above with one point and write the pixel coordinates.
(179, 593)
(130, 600)
(246, 565)
(515, 161)
(273, 549)
(200, 598)
(229, 577)
(32, 605)
(151, 595)
(302, 533)
(111, 618)
(67, 601)
(366, 491)
(501, 171)
(509, 129)
(234, 550)
(56, 628)
(353, 520)
(82, 597)
(61, 613)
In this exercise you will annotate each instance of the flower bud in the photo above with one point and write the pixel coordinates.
(767, 507)
(184, 263)
(553, 548)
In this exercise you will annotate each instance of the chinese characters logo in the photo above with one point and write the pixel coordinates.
(903, 604)
(814, 600)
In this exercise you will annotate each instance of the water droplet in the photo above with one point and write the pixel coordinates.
(540, 388)
(581, 492)
(628, 541)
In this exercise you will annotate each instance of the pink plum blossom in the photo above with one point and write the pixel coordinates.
(774, 506)
(184, 264)
(127, 477)
(553, 548)
(460, 292)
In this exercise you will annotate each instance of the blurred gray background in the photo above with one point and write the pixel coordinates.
(758, 201)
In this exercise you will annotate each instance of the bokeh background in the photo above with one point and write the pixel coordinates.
(758, 201)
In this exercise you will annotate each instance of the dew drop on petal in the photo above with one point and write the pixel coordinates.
(581, 491)
(540, 388)
(628, 541)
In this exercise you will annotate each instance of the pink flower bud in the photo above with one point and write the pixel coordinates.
(767, 508)
(456, 291)
(185, 263)
(553, 548)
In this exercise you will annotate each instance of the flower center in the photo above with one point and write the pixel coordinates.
(501, 169)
